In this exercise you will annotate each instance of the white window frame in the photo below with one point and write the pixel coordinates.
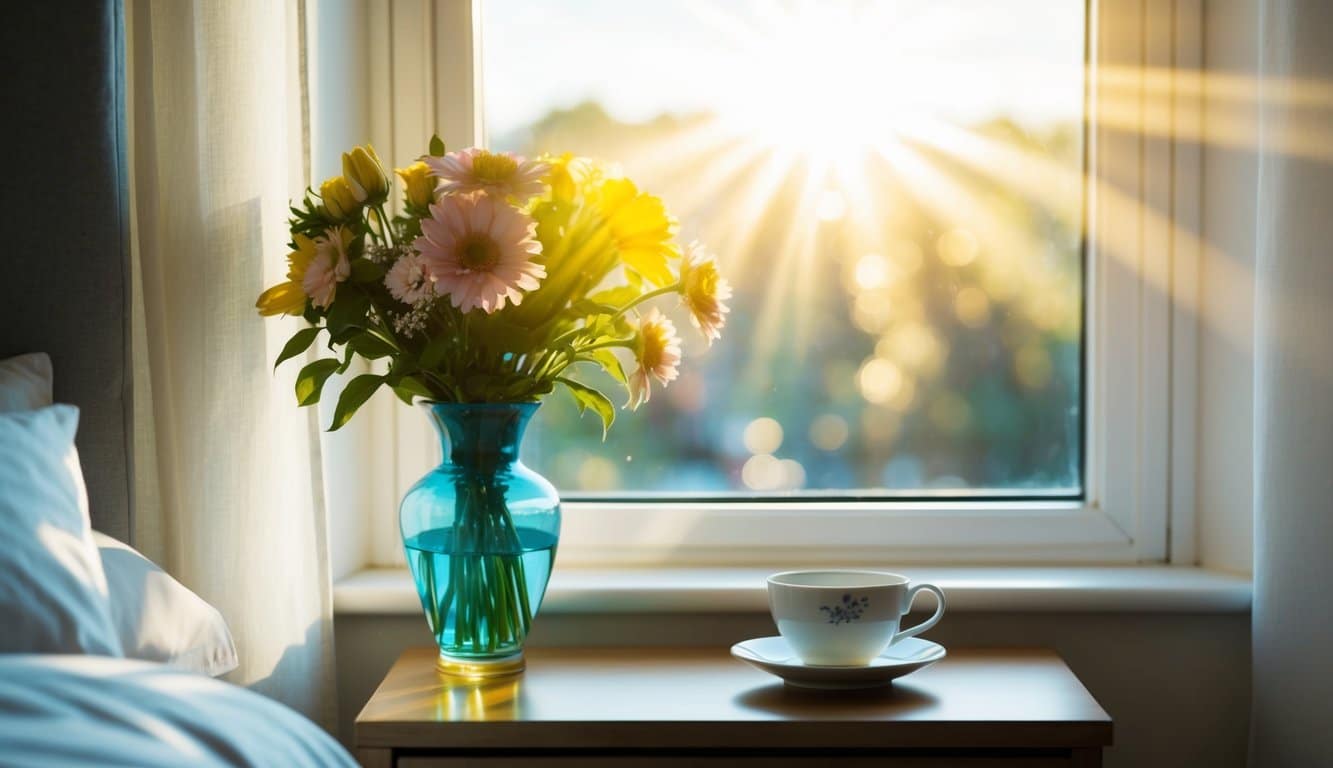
(1143, 204)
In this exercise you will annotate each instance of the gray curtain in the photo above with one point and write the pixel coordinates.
(1292, 718)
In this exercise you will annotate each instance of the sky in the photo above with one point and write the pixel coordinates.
(764, 61)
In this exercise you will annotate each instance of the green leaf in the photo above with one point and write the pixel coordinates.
(348, 310)
(411, 386)
(482, 386)
(435, 351)
(297, 344)
(585, 307)
(349, 355)
(370, 346)
(617, 297)
(310, 381)
(586, 397)
(500, 335)
(623, 326)
(343, 336)
(436, 146)
(354, 395)
(609, 362)
(366, 271)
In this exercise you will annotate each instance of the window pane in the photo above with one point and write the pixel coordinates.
(894, 190)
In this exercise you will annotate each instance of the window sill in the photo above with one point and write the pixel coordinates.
(1105, 589)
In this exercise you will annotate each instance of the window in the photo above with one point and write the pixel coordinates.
(952, 227)
(908, 307)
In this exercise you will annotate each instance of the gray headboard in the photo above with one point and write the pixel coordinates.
(64, 204)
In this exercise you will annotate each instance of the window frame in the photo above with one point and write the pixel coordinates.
(1141, 276)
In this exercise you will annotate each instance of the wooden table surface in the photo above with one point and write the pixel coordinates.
(702, 699)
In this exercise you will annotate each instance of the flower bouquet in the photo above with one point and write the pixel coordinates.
(496, 282)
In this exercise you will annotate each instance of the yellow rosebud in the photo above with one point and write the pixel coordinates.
(419, 184)
(365, 174)
(339, 202)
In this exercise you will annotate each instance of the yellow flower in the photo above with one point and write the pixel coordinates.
(289, 298)
(339, 201)
(703, 289)
(365, 175)
(641, 229)
(567, 174)
(418, 183)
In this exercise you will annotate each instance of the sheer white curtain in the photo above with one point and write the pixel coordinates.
(1293, 385)
(229, 488)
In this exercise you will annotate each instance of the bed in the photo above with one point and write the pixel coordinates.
(73, 606)
(94, 710)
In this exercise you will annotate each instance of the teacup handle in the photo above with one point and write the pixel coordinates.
(928, 623)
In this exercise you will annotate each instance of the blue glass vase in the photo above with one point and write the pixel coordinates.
(480, 534)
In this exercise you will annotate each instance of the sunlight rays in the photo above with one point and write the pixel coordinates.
(1142, 99)
(920, 204)
(702, 140)
(1050, 184)
(789, 298)
(1056, 186)
(719, 169)
(738, 178)
(738, 223)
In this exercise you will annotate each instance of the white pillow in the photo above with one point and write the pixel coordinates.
(53, 591)
(25, 382)
(155, 617)
(158, 619)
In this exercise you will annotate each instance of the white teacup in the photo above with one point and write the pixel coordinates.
(844, 618)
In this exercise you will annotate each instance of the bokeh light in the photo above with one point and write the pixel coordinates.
(871, 272)
(972, 307)
(957, 247)
(879, 380)
(763, 435)
(829, 432)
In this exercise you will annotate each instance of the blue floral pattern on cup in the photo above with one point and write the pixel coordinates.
(849, 610)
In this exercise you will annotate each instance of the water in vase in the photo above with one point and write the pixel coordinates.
(480, 604)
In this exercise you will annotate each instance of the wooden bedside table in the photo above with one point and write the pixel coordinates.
(645, 707)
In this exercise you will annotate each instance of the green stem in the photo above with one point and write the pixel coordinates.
(487, 586)
(502, 598)
(447, 602)
(386, 230)
(555, 366)
(623, 343)
(673, 288)
(573, 332)
(426, 562)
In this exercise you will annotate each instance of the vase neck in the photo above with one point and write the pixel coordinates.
(482, 437)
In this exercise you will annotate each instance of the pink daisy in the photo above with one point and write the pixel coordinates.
(408, 280)
(476, 170)
(657, 351)
(479, 251)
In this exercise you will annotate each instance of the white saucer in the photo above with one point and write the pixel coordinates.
(773, 655)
